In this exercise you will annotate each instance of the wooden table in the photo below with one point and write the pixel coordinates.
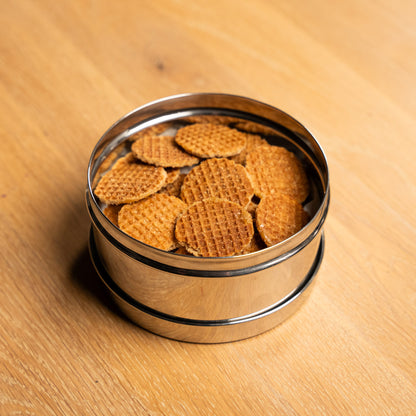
(345, 69)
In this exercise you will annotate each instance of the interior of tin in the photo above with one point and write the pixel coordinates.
(281, 130)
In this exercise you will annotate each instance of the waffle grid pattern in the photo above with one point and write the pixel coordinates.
(162, 151)
(220, 178)
(208, 140)
(214, 228)
(253, 141)
(152, 221)
(129, 182)
(278, 217)
(276, 170)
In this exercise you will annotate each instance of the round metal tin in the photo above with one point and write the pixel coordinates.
(209, 299)
(207, 331)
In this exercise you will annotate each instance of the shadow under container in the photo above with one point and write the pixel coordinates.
(220, 299)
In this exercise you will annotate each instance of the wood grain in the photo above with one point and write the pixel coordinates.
(69, 69)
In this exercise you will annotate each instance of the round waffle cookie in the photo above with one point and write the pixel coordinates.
(278, 217)
(207, 140)
(152, 220)
(162, 151)
(129, 181)
(218, 177)
(214, 227)
(109, 160)
(274, 169)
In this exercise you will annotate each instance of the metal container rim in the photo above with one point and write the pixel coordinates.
(285, 248)
(127, 298)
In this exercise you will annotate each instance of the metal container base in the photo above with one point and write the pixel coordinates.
(207, 331)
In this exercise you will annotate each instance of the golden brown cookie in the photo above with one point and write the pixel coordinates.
(173, 175)
(107, 162)
(255, 128)
(278, 217)
(162, 151)
(212, 118)
(214, 228)
(207, 140)
(183, 251)
(220, 178)
(255, 244)
(251, 208)
(253, 141)
(129, 181)
(125, 160)
(152, 220)
(111, 212)
(174, 188)
(152, 131)
(274, 169)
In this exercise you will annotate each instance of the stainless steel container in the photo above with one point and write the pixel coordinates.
(210, 299)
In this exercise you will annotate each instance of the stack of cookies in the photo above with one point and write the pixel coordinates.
(205, 188)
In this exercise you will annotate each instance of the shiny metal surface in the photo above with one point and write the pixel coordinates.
(196, 294)
(208, 331)
(210, 289)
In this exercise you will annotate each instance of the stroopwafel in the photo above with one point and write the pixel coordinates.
(214, 228)
(162, 151)
(129, 181)
(220, 178)
(274, 169)
(278, 217)
(207, 140)
(152, 220)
